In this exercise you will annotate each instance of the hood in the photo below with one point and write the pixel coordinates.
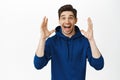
(60, 34)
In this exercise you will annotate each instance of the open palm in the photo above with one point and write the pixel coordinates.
(89, 33)
(44, 30)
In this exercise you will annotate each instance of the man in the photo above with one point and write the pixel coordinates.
(68, 49)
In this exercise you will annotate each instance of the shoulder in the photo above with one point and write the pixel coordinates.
(51, 39)
(85, 40)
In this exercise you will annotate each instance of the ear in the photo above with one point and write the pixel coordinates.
(59, 21)
(76, 20)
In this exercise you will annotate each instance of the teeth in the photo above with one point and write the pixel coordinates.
(66, 26)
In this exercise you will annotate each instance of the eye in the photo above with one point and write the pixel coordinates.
(71, 18)
(63, 18)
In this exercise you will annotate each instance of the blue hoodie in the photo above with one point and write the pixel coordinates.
(68, 56)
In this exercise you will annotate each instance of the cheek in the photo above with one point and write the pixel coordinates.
(61, 22)
(74, 22)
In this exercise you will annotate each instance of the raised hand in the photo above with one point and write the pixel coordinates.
(44, 30)
(89, 33)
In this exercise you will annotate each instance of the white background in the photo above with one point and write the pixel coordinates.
(19, 35)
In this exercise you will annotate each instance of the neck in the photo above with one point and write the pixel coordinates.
(70, 34)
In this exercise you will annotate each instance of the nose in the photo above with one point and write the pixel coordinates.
(67, 21)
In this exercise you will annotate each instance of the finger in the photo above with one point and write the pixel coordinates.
(89, 20)
(43, 22)
(52, 31)
(46, 21)
(90, 24)
(82, 31)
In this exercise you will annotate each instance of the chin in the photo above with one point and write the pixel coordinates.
(68, 33)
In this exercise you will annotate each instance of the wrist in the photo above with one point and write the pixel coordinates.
(43, 38)
(91, 40)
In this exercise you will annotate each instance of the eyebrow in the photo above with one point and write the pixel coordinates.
(69, 15)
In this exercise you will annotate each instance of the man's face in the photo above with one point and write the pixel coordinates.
(67, 21)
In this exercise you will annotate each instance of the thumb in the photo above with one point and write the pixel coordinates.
(52, 31)
(83, 32)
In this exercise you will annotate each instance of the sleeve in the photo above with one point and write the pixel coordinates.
(40, 62)
(97, 63)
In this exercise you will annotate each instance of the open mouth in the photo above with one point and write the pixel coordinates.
(66, 26)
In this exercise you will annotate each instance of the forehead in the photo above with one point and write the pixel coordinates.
(67, 13)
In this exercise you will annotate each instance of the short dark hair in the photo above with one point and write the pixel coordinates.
(67, 7)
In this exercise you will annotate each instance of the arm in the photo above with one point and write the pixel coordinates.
(41, 46)
(44, 34)
(94, 56)
(42, 56)
(89, 35)
(95, 51)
